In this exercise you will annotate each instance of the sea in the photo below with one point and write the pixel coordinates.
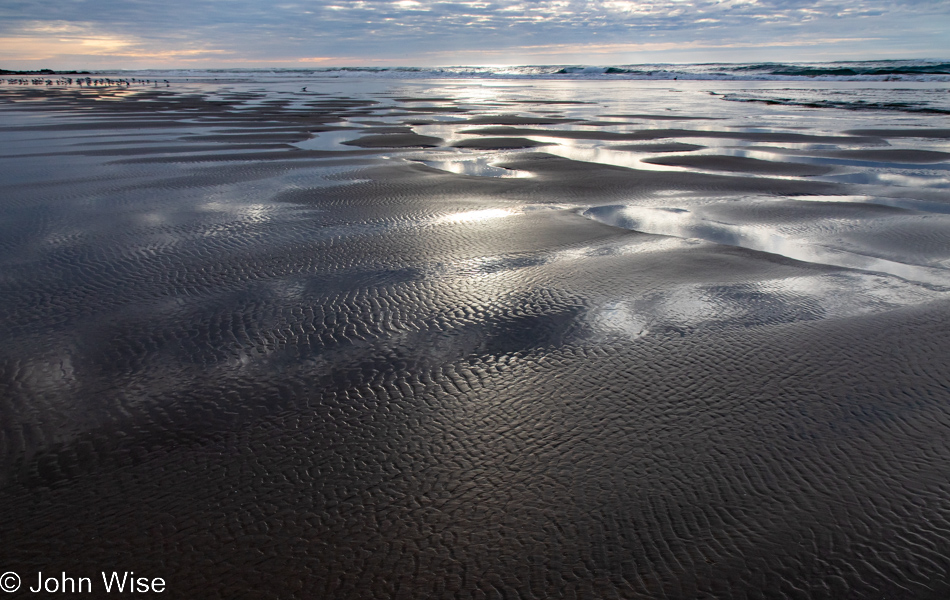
(881, 70)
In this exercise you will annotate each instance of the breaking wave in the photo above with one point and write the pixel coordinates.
(894, 70)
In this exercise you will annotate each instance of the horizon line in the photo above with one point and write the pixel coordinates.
(463, 65)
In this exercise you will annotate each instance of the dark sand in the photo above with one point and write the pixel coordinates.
(740, 164)
(397, 140)
(669, 117)
(928, 133)
(655, 134)
(660, 147)
(297, 373)
(891, 155)
(506, 143)
(515, 120)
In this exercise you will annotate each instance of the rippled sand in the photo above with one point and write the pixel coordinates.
(452, 340)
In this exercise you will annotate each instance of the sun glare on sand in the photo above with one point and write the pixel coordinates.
(477, 215)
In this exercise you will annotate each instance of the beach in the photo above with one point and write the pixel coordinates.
(290, 335)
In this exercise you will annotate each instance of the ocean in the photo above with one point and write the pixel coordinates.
(883, 70)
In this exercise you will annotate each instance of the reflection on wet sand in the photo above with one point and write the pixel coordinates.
(682, 223)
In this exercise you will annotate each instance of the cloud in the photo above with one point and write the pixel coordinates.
(447, 31)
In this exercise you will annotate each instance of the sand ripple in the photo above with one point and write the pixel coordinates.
(270, 371)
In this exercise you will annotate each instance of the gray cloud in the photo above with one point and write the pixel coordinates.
(432, 31)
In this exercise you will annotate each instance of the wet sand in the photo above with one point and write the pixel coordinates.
(315, 348)
(504, 143)
(741, 164)
(397, 140)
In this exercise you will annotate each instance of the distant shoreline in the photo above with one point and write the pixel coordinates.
(44, 72)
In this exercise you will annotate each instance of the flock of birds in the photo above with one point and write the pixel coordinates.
(87, 81)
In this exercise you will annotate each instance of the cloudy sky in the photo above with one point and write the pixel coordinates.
(62, 34)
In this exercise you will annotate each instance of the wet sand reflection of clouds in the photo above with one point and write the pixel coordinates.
(683, 223)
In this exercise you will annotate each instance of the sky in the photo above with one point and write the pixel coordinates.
(110, 34)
